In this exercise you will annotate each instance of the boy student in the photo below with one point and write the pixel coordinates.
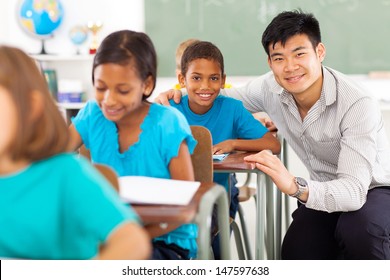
(232, 127)
(179, 53)
(344, 207)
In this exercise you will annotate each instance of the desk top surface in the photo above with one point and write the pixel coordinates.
(234, 162)
(181, 214)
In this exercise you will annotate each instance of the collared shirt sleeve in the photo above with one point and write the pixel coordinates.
(348, 191)
(250, 94)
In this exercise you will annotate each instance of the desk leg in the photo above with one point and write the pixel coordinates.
(270, 212)
(216, 195)
(268, 219)
(286, 197)
(260, 223)
(278, 224)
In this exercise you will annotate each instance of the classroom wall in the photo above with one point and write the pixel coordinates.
(3, 20)
(115, 15)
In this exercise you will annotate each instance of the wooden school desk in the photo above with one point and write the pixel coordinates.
(268, 219)
(198, 211)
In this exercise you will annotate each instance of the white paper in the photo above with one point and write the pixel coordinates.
(148, 190)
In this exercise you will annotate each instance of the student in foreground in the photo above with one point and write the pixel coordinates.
(123, 130)
(232, 127)
(336, 129)
(52, 204)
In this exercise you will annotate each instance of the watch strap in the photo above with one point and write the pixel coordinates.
(302, 187)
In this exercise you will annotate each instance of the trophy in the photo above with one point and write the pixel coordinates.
(94, 27)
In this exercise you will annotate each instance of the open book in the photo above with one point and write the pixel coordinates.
(148, 190)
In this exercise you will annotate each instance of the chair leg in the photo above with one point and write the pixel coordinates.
(245, 233)
(211, 254)
(237, 238)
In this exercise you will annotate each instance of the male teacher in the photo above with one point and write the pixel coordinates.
(336, 129)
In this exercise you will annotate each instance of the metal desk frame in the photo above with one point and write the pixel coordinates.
(268, 225)
(198, 211)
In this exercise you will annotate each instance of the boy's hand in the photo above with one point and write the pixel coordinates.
(164, 97)
(223, 147)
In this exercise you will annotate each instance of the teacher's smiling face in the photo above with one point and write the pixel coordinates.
(297, 66)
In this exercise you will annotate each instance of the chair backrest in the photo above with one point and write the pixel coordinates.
(109, 173)
(202, 157)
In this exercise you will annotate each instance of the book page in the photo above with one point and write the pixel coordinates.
(148, 190)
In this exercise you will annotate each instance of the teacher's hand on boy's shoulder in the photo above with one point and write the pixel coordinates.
(164, 97)
(271, 126)
(266, 121)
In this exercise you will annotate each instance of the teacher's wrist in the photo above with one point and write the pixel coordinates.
(301, 188)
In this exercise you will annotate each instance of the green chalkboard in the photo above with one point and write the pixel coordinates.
(356, 33)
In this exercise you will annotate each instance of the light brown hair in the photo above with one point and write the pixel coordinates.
(180, 50)
(44, 133)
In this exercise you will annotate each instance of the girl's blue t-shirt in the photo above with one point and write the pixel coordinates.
(58, 208)
(227, 119)
(163, 131)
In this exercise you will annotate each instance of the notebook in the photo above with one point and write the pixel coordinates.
(148, 190)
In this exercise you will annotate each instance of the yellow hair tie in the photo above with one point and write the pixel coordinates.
(177, 86)
(228, 86)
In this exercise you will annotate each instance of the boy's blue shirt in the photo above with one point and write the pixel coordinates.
(227, 119)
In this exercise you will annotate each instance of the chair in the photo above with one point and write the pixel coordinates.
(109, 174)
(202, 157)
(202, 161)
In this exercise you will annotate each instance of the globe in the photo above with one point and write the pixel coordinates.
(78, 35)
(40, 18)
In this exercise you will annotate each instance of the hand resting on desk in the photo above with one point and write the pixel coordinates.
(272, 166)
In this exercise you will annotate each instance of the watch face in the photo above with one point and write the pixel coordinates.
(301, 181)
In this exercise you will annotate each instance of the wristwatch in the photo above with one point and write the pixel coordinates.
(302, 187)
